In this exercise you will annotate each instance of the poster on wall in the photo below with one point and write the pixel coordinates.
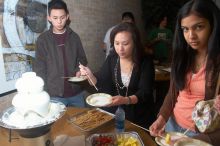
(21, 22)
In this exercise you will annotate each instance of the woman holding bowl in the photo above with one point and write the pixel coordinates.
(127, 75)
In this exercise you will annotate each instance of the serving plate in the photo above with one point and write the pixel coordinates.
(174, 136)
(91, 119)
(11, 119)
(77, 79)
(99, 99)
(191, 142)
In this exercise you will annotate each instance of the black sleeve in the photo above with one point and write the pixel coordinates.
(146, 82)
(40, 61)
(104, 76)
(81, 53)
(81, 56)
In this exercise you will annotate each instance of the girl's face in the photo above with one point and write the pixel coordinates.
(196, 31)
(58, 18)
(124, 44)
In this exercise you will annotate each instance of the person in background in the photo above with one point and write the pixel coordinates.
(126, 17)
(127, 75)
(59, 51)
(159, 41)
(194, 71)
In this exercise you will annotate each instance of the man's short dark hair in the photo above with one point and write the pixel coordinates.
(128, 15)
(57, 4)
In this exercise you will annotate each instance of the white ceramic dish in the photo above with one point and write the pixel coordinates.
(174, 136)
(99, 99)
(191, 142)
(77, 79)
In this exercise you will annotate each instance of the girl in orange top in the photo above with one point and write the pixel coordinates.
(194, 71)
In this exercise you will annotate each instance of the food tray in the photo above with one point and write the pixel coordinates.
(91, 119)
(115, 139)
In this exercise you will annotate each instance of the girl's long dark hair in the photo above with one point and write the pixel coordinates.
(183, 54)
(137, 54)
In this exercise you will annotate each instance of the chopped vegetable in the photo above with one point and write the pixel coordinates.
(103, 141)
(168, 139)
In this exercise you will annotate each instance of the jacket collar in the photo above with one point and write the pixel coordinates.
(68, 30)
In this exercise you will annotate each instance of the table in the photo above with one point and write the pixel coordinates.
(162, 81)
(63, 127)
(160, 74)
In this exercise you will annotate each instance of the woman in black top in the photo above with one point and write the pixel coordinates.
(127, 75)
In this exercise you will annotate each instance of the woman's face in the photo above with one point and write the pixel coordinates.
(196, 31)
(124, 44)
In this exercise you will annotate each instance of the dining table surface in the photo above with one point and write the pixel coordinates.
(63, 127)
(162, 73)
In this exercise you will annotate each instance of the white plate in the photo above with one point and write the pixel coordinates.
(161, 141)
(77, 79)
(174, 136)
(191, 142)
(168, 69)
(99, 99)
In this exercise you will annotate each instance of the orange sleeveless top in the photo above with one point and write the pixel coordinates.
(188, 97)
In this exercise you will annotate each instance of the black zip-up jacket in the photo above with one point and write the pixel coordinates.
(49, 64)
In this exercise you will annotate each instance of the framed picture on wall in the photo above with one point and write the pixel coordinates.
(21, 22)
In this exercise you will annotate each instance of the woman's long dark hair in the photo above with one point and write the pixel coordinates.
(183, 54)
(137, 53)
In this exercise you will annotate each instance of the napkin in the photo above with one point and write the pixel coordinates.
(65, 140)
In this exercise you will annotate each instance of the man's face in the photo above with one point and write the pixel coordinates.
(58, 18)
(127, 19)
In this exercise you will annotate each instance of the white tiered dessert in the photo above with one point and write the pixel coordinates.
(30, 96)
(32, 106)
